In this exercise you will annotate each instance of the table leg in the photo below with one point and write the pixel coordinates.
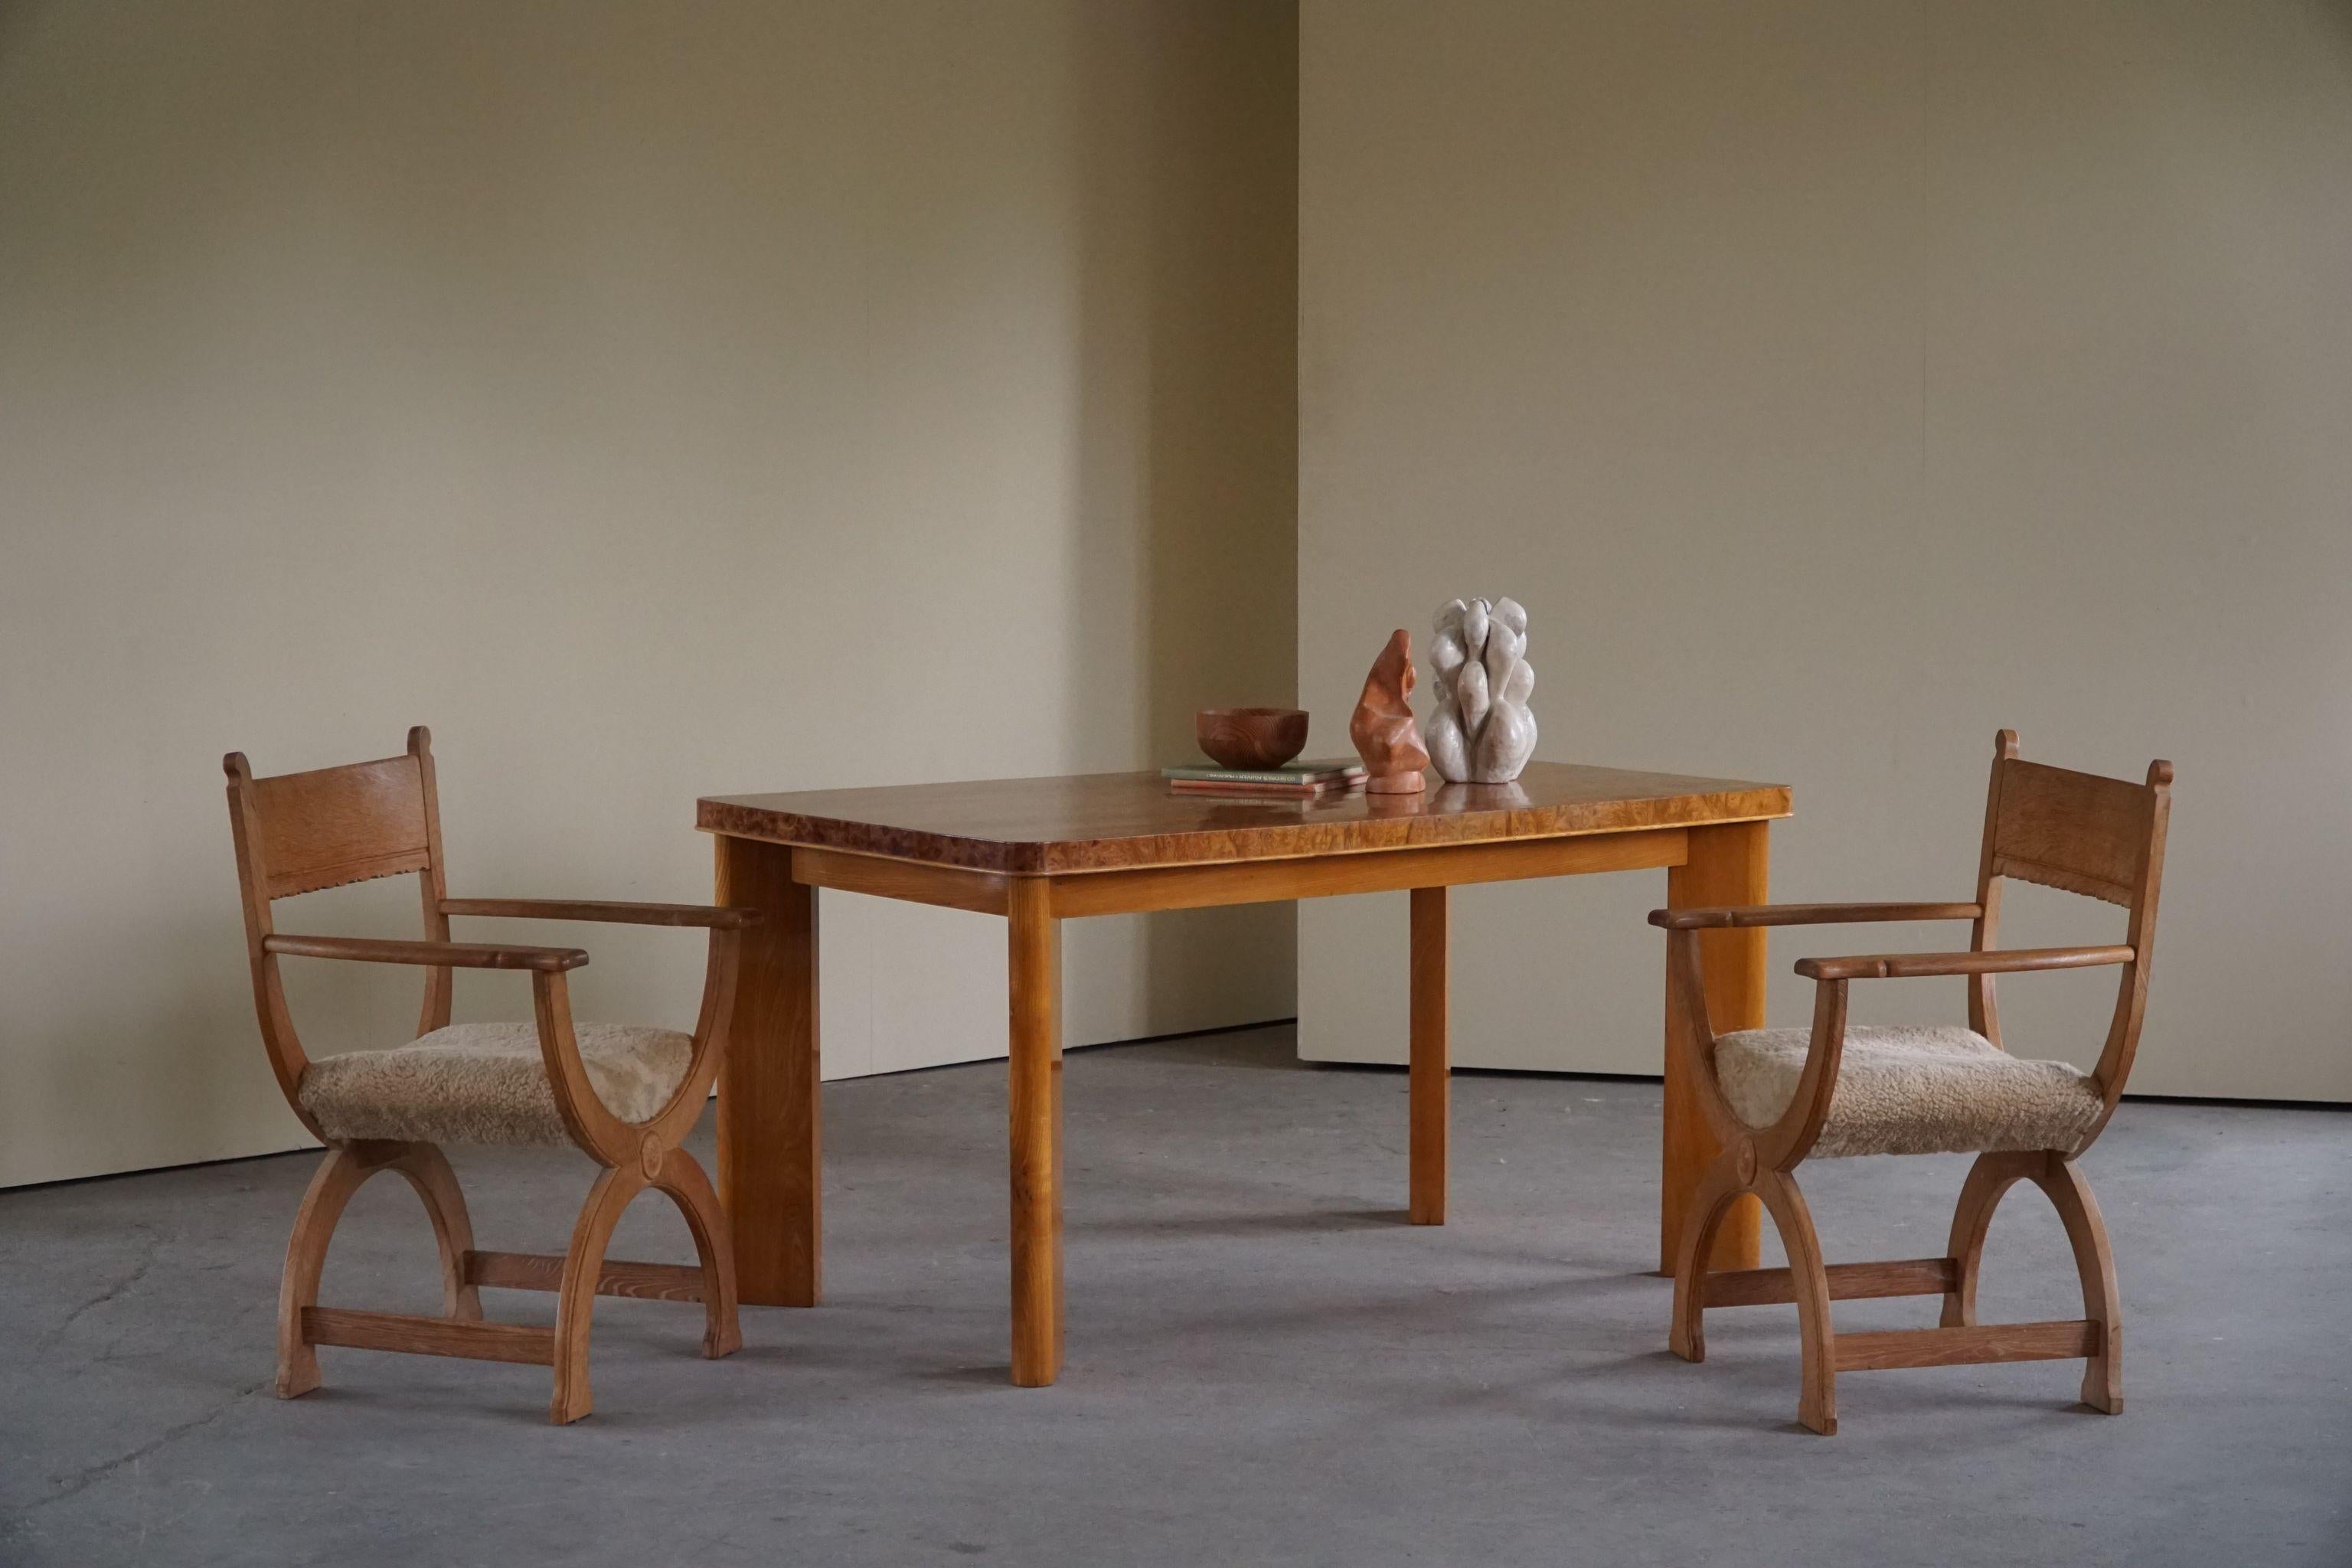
(1429, 1082)
(1034, 974)
(769, 1165)
(1727, 864)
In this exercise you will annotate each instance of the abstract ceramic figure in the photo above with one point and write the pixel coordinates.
(1382, 727)
(1482, 730)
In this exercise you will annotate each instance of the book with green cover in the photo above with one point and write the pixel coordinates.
(1289, 774)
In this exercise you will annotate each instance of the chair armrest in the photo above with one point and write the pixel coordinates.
(1807, 914)
(436, 954)
(719, 917)
(1912, 965)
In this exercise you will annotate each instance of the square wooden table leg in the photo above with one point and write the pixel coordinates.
(1033, 972)
(1728, 864)
(770, 1166)
(1429, 1076)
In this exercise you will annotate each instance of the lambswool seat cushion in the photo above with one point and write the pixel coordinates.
(1914, 1091)
(486, 1083)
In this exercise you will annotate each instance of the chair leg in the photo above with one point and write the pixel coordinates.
(1991, 1176)
(339, 1175)
(1817, 1402)
(427, 1170)
(342, 1173)
(583, 1260)
(683, 1179)
(2070, 1194)
(1717, 1186)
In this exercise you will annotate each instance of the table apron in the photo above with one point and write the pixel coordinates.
(1141, 889)
(1364, 872)
(909, 881)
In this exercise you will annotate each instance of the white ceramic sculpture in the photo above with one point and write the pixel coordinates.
(1482, 731)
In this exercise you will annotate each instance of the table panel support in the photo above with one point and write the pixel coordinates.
(770, 1164)
(1728, 864)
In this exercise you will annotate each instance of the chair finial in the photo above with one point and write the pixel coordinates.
(2160, 774)
(2004, 744)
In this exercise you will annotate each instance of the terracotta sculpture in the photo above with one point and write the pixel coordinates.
(1483, 732)
(1382, 727)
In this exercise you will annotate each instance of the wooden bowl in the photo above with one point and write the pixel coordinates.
(1251, 738)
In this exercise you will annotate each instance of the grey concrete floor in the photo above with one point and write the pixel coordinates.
(1266, 1365)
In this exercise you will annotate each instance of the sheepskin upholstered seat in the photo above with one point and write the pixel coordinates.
(1914, 1091)
(486, 1083)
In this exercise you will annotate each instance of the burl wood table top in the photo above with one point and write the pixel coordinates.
(1098, 822)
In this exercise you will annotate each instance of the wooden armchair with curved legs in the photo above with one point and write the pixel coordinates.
(1775, 1096)
(625, 1096)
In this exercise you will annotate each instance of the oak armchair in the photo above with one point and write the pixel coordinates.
(625, 1095)
(1775, 1097)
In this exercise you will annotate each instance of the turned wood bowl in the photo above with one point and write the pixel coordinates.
(1252, 738)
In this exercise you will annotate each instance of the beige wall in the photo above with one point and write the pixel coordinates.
(655, 400)
(1836, 383)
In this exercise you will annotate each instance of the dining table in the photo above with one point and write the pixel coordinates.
(1036, 852)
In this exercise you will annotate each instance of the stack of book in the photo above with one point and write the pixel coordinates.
(1292, 781)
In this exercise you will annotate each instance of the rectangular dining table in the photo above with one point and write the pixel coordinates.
(1039, 851)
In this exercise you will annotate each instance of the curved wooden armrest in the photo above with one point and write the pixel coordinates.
(1912, 966)
(718, 917)
(436, 954)
(591, 1122)
(1807, 914)
(1788, 1139)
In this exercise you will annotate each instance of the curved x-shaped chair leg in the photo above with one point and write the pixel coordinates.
(1817, 1404)
(348, 1166)
(1717, 1186)
(427, 1171)
(1988, 1180)
(342, 1173)
(683, 1179)
(583, 1262)
(339, 1175)
(1817, 1401)
(2087, 1231)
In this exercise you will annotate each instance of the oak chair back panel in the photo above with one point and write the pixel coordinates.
(348, 824)
(2081, 832)
(2077, 832)
(297, 833)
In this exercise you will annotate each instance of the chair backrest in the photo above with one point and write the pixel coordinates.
(339, 824)
(297, 833)
(2081, 833)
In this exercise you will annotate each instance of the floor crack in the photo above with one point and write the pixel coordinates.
(138, 1273)
(82, 1480)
